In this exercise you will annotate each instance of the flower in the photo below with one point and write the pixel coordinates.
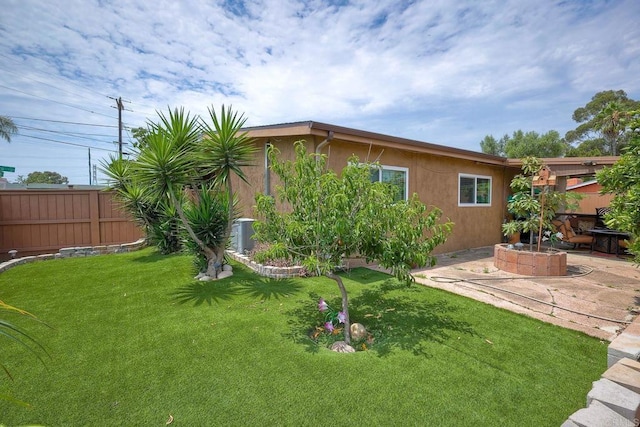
(328, 326)
(342, 317)
(559, 235)
(322, 305)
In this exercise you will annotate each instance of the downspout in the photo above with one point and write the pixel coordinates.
(267, 172)
(323, 143)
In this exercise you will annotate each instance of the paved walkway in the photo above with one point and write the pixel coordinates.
(599, 296)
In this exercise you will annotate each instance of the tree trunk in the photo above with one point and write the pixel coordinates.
(345, 306)
(209, 253)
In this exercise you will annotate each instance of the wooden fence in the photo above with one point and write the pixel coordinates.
(35, 222)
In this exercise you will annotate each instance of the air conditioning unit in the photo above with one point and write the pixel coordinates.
(241, 235)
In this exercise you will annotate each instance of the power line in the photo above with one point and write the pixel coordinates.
(72, 134)
(62, 121)
(56, 102)
(67, 143)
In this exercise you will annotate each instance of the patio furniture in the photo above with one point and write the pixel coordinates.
(570, 236)
(608, 241)
(600, 213)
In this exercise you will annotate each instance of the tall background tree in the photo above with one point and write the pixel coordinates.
(623, 180)
(46, 177)
(602, 129)
(332, 217)
(7, 128)
(524, 144)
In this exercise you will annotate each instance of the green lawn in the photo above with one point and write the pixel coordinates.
(134, 338)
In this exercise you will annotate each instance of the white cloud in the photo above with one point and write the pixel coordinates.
(438, 71)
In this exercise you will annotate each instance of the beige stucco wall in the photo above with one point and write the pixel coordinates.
(433, 178)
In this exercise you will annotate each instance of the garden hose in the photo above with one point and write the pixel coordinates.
(442, 279)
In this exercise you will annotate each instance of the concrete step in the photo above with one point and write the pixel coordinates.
(598, 415)
(616, 397)
(624, 375)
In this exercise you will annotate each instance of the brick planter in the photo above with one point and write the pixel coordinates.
(547, 263)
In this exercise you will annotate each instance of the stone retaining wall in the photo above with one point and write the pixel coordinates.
(75, 252)
(268, 270)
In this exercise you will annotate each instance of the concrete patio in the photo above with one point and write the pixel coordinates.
(599, 296)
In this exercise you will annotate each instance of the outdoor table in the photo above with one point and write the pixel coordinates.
(606, 240)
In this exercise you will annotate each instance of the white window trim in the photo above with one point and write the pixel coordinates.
(475, 188)
(400, 169)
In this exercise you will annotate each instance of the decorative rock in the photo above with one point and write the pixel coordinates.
(342, 347)
(358, 331)
(200, 275)
(225, 274)
(227, 267)
(205, 278)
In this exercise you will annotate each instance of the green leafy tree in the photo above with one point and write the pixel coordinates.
(140, 135)
(45, 177)
(523, 144)
(490, 145)
(623, 180)
(7, 128)
(531, 210)
(332, 217)
(602, 124)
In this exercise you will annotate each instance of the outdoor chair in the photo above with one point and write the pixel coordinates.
(600, 213)
(569, 236)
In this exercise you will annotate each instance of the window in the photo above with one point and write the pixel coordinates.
(396, 176)
(474, 190)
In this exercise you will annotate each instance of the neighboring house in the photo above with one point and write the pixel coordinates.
(470, 187)
(592, 198)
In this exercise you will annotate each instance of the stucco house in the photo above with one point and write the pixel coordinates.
(470, 187)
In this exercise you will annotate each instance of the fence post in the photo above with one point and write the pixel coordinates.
(94, 215)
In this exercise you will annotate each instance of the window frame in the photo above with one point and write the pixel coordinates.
(381, 168)
(475, 177)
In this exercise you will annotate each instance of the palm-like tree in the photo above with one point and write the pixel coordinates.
(224, 152)
(167, 165)
(7, 128)
(182, 153)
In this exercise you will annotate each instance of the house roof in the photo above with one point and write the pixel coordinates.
(572, 166)
(582, 184)
(565, 166)
(364, 137)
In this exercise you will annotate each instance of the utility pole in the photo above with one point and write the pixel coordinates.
(120, 108)
(89, 165)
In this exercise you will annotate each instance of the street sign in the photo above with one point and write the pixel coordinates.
(7, 169)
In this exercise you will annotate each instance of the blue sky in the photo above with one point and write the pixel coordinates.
(444, 72)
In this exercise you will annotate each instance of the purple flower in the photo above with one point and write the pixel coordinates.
(342, 317)
(328, 326)
(322, 305)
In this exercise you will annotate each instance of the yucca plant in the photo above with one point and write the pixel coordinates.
(17, 335)
(206, 214)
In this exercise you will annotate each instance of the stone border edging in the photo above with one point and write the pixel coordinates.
(74, 252)
(268, 270)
